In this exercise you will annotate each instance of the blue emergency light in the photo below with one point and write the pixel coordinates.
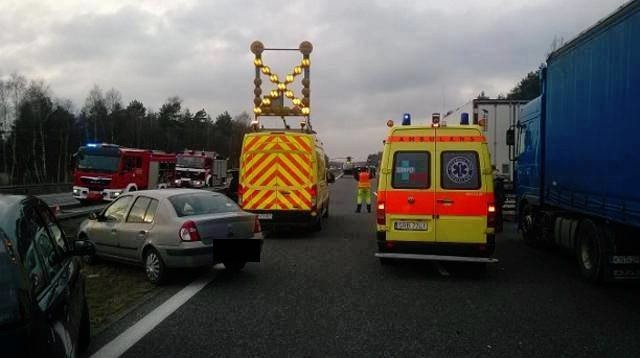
(406, 119)
(92, 145)
(464, 119)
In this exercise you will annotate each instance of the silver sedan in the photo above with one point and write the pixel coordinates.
(171, 228)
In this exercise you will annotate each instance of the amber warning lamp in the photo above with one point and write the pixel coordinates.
(281, 101)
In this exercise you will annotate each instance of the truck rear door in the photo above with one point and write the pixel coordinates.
(277, 173)
(409, 196)
(295, 168)
(460, 200)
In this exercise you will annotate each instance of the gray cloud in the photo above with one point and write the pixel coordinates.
(372, 60)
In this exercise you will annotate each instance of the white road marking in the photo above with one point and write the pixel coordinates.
(133, 334)
(441, 269)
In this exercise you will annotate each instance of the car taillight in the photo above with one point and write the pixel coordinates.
(381, 213)
(189, 231)
(256, 226)
(491, 215)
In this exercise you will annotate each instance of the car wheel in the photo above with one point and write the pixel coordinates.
(85, 329)
(234, 266)
(590, 250)
(154, 266)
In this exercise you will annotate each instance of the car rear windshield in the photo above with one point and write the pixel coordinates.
(411, 170)
(202, 203)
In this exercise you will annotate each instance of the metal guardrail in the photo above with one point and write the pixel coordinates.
(36, 189)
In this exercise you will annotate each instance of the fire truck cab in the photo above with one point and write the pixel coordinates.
(197, 169)
(435, 195)
(104, 171)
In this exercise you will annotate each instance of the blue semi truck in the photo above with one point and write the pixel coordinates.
(577, 150)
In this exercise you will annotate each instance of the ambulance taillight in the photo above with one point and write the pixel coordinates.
(491, 215)
(381, 213)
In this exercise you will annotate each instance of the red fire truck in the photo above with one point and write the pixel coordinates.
(197, 169)
(104, 171)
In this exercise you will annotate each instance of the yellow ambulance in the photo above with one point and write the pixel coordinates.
(284, 178)
(435, 194)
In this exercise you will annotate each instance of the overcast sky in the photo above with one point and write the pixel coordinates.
(372, 60)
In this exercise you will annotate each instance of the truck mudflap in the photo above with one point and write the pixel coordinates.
(394, 255)
(623, 267)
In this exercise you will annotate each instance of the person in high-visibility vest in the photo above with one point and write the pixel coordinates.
(364, 190)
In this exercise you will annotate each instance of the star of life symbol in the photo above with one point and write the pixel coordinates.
(459, 170)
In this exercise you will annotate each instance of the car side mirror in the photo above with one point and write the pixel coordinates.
(83, 248)
(93, 215)
(511, 137)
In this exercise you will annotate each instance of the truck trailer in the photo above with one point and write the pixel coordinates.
(577, 163)
(494, 116)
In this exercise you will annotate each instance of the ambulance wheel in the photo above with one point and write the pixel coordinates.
(385, 261)
(479, 268)
(590, 249)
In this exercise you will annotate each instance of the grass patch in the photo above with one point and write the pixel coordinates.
(112, 288)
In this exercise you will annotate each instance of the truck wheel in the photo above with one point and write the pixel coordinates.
(317, 226)
(527, 225)
(590, 250)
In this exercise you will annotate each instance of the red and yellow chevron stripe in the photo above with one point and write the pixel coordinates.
(276, 172)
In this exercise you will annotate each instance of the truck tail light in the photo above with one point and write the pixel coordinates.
(314, 193)
(256, 226)
(189, 231)
(381, 213)
(491, 215)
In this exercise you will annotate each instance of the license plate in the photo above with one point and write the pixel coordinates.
(410, 225)
(265, 216)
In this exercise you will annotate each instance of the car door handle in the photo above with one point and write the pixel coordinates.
(142, 233)
(444, 201)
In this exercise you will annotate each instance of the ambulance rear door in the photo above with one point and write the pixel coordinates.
(461, 198)
(409, 193)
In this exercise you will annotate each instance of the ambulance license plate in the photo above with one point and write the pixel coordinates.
(265, 216)
(410, 225)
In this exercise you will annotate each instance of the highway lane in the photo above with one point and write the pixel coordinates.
(324, 294)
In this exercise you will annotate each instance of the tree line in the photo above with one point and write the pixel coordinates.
(39, 133)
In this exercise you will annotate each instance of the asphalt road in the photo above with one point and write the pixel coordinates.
(324, 294)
